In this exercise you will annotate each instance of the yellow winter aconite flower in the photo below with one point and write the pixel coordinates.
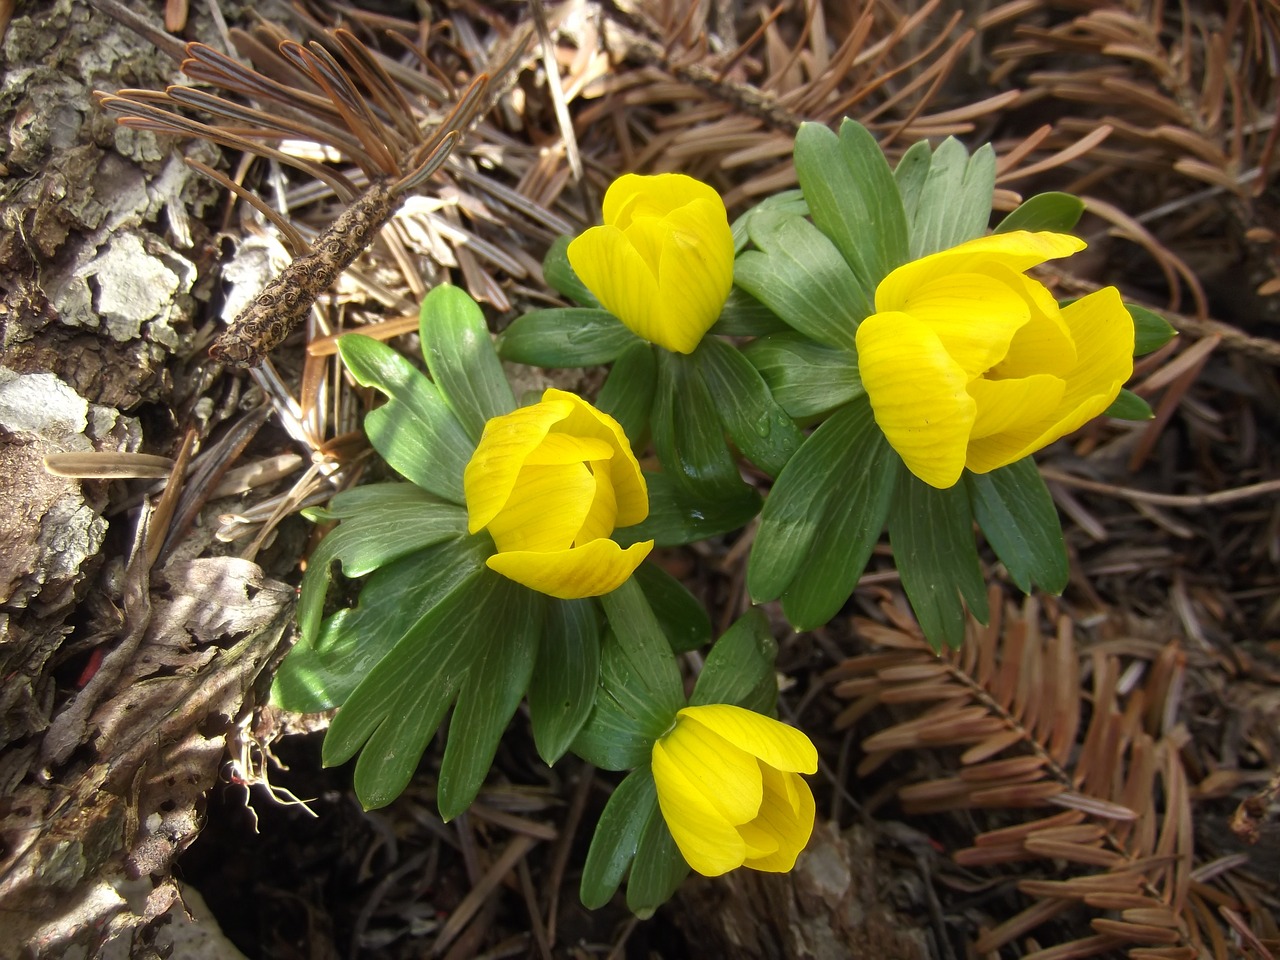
(550, 482)
(729, 787)
(967, 362)
(662, 263)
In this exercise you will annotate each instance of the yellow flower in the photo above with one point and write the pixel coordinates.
(967, 362)
(729, 787)
(663, 261)
(550, 482)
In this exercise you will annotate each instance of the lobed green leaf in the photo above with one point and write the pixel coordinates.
(785, 201)
(1054, 212)
(1151, 331)
(682, 618)
(946, 194)
(566, 676)
(495, 682)
(1015, 512)
(320, 674)
(688, 434)
(807, 379)
(739, 668)
(853, 198)
(617, 836)
(931, 532)
(801, 277)
(460, 355)
(415, 432)
(370, 539)
(745, 316)
(828, 461)
(849, 525)
(566, 337)
(677, 517)
(627, 394)
(758, 426)
(657, 870)
(559, 274)
(1129, 406)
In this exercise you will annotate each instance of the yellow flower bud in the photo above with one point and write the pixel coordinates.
(662, 263)
(730, 789)
(968, 362)
(550, 482)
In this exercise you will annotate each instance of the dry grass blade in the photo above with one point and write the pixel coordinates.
(1010, 704)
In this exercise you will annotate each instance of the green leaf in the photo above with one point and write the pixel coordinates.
(320, 674)
(461, 358)
(611, 739)
(366, 541)
(640, 688)
(416, 432)
(739, 668)
(676, 517)
(757, 425)
(745, 316)
(785, 201)
(861, 486)
(658, 868)
(684, 620)
(910, 175)
(627, 394)
(625, 720)
(560, 276)
(563, 689)
(506, 648)
(801, 277)
(805, 378)
(1055, 212)
(931, 532)
(1129, 406)
(565, 337)
(687, 433)
(395, 710)
(617, 835)
(951, 203)
(1151, 331)
(829, 461)
(371, 496)
(649, 682)
(853, 198)
(1016, 514)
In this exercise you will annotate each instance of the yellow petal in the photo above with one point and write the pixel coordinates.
(547, 508)
(760, 841)
(558, 448)
(599, 521)
(1102, 329)
(728, 777)
(1005, 405)
(1103, 332)
(634, 195)
(695, 275)
(974, 315)
(1018, 251)
(612, 268)
(917, 394)
(1043, 344)
(591, 570)
(786, 814)
(504, 446)
(709, 843)
(771, 741)
(584, 420)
